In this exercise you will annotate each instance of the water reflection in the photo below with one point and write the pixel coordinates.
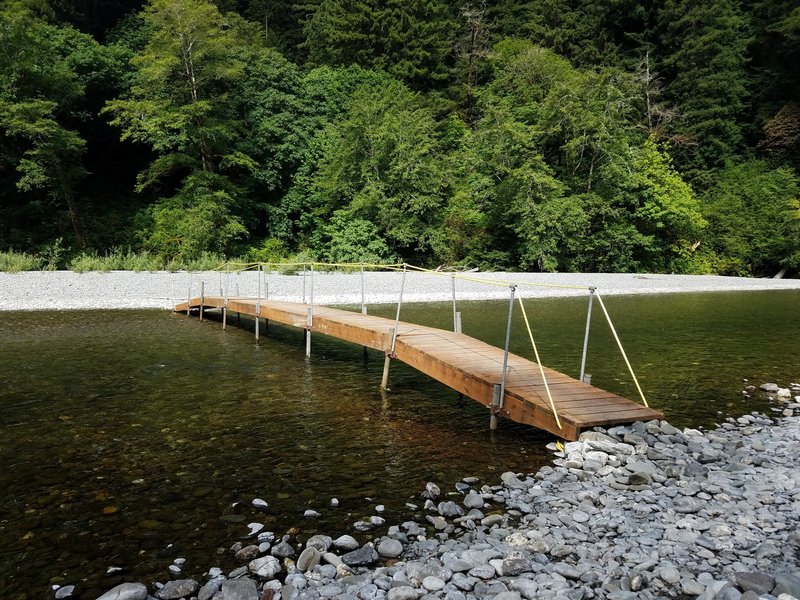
(127, 435)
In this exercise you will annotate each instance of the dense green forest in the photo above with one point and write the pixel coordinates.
(553, 135)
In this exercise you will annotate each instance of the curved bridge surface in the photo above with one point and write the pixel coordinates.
(465, 364)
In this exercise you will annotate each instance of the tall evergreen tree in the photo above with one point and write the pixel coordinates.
(705, 64)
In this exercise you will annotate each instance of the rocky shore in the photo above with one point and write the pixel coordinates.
(640, 511)
(66, 290)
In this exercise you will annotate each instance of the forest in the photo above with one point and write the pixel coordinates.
(541, 135)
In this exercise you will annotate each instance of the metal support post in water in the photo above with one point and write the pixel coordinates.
(386, 362)
(309, 322)
(202, 297)
(458, 322)
(508, 342)
(496, 395)
(586, 335)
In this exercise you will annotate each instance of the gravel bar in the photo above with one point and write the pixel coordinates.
(64, 290)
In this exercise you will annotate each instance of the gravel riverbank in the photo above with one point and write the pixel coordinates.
(641, 511)
(58, 290)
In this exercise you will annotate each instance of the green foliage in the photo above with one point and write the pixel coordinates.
(410, 39)
(415, 130)
(198, 220)
(707, 45)
(354, 241)
(754, 218)
(380, 165)
(14, 262)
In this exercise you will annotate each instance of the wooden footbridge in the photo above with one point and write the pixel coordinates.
(509, 385)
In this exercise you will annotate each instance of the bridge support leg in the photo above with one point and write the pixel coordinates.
(202, 297)
(224, 317)
(496, 391)
(385, 380)
(308, 333)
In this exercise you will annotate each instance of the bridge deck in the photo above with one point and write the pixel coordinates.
(463, 363)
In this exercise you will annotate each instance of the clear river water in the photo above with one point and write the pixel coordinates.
(131, 438)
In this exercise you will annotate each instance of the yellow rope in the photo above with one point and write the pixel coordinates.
(497, 282)
(621, 349)
(539, 362)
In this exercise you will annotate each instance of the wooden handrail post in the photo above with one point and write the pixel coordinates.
(586, 335)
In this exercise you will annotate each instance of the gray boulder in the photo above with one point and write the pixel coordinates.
(366, 555)
(180, 588)
(239, 589)
(126, 591)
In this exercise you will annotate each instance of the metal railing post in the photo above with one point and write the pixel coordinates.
(363, 305)
(455, 315)
(508, 343)
(586, 335)
(225, 298)
(189, 301)
(258, 306)
(202, 297)
(399, 304)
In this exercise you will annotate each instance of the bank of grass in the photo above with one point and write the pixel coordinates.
(116, 260)
(128, 260)
(14, 262)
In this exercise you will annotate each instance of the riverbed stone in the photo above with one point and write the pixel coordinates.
(366, 555)
(433, 584)
(786, 583)
(473, 500)
(209, 589)
(346, 542)
(403, 592)
(265, 567)
(65, 592)
(308, 559)
(126, 591)
(247, 553)
(282, 550)
(180, 588)
(389, 548)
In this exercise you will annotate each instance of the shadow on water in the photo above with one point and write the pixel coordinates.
(127, 435)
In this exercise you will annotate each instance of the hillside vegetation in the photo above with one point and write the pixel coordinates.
(548, 135)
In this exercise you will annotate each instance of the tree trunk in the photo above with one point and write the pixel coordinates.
(74, 211)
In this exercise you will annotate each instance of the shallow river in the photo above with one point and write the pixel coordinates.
(125, 436)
